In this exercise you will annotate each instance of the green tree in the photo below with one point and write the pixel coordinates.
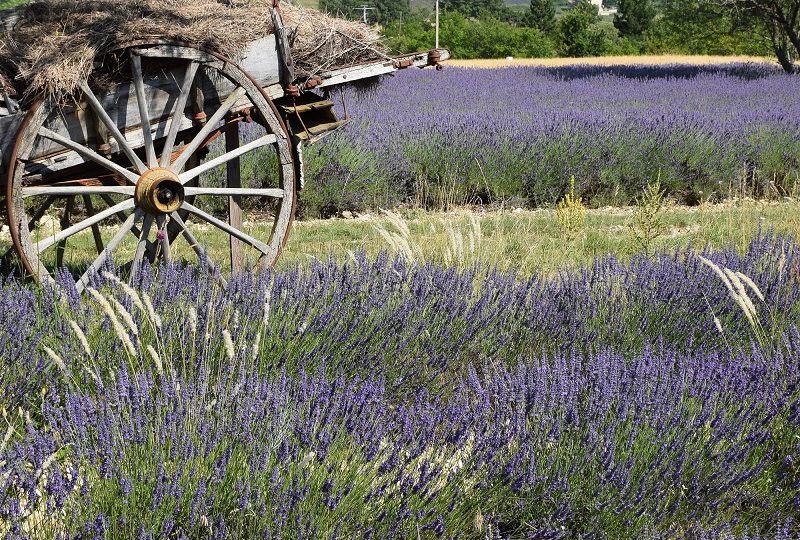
(542, 15)
(486, 37)
(576, 34)
(473, 8)
(634, 17)
(698, 27)
(779, 21)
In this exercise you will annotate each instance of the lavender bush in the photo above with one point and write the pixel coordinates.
(467, 135)
(384, 399)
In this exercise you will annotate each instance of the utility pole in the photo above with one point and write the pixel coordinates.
(437, 24)
(363, 9)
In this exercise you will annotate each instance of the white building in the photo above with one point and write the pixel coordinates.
(601, 9)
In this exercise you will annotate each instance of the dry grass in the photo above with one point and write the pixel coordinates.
(609, 61)
(54, 44)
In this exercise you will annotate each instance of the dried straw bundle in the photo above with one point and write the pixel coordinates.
(52, 47)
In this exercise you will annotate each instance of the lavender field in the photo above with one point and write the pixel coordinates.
(517, 135)
(387, 399)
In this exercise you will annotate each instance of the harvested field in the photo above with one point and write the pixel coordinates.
(652, 60)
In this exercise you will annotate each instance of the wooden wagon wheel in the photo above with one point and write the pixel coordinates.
(136, 187)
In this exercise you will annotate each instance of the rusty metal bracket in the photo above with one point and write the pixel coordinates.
(292, 90)
(312, 83)
(402, 64)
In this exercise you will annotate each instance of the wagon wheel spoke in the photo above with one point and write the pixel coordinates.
(141, 247)
(121, 216)
(195, 245)
(65, 223)
(210, 125)
(275, 193)
(233, 231)
(107, 252)
(88, 153)
(177, 113)
(234, 173)
(138, 83)
(226, 157)
(82, 225)
(77, 190)
(98, 238)
(112, 127)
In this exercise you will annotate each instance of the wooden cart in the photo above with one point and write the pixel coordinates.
(134, 160)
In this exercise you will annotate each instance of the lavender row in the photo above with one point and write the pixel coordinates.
(520, 133)
(434, 321)
(558, 447)
(383, 398)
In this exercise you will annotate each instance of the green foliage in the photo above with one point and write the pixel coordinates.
(542, 15)
(486, 37)
(647, 222)
(634, 17)
(473, 8)
(575, 33)
(571, 212)
(698, 27)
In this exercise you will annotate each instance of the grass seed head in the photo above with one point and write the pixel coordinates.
(81, 337)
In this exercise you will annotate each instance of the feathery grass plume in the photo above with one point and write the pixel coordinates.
(193, 319)
(399, 241)
(56, 359)
(156, 359)
(718, 324)
(124, 315)
(45, 465)
(81, 337)
(735, 289)
(95, 377)
(398, 222)
(230, 351)
(476, 234)
(127, 289)
(6, 438)
(752, 284)
(115, 323)
(256, 345)
(741, 291)
(717, 270)
(151, 312)
(235, 319)
(399, 244)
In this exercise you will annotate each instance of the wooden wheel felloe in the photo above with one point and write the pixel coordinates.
(140, 190)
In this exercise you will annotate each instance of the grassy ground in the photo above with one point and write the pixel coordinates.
(525, 241)
(530, 241)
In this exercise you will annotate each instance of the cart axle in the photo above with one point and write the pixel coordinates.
(159, 192)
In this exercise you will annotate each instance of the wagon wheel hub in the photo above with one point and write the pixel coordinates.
(159, 192)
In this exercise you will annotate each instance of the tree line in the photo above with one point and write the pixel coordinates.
(489, 28)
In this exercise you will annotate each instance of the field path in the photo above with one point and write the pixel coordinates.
(610, 61)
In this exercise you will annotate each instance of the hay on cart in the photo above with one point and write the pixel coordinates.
(52, 47)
